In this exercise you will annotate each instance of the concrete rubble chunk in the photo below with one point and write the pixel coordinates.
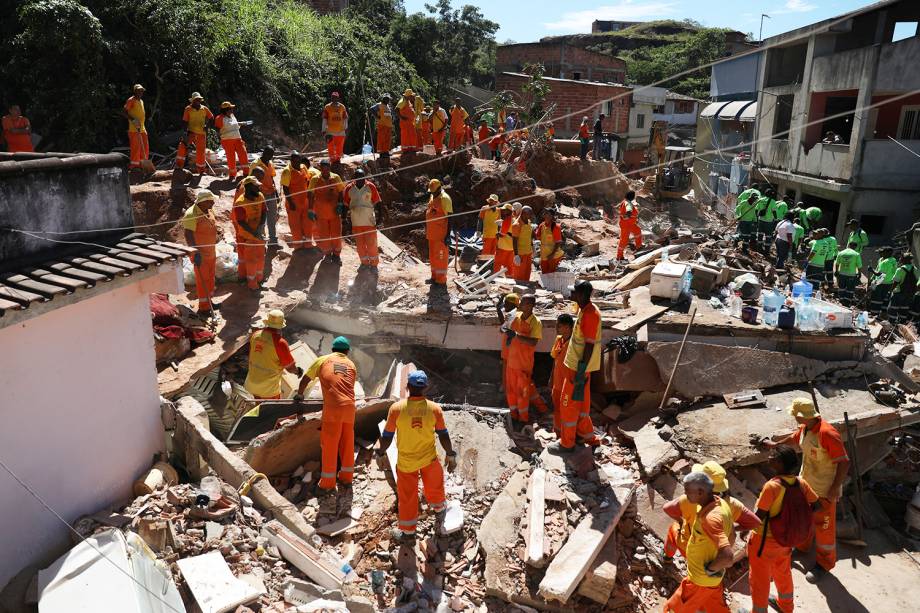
(212, 584)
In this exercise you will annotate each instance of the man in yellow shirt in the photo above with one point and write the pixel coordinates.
(335, 125)
(324, 199)
(137, 131)
(488, 224)
(269, 357)
(522, 231)
(438, 118)
(437, 231)
(458, 116)
(415, 422)
(196, 117)
(200, 226)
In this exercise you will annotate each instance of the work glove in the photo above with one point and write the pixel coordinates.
(311, 215)
(578, 394)
(298, 398)
(197, 258)
(517, 260)
(510, 334)
(450, 461)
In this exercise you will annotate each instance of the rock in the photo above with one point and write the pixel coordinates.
(359, 604)
(665, 433)
(613, 411)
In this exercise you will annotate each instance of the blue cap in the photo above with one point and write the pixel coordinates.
(418, 378)
(340, 343)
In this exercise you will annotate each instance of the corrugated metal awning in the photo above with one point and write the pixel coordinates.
(731, 110)
(712, 109)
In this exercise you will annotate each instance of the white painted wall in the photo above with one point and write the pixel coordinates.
(80, 412)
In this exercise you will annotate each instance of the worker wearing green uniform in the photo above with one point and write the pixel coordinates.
(857, 235)
(817, 254)
(902, 294)
(797, 239)
(847, 265)
(832, 250)
(766, 218)
(808, 217)
(783, 206)
(746, 214)
(880, 281)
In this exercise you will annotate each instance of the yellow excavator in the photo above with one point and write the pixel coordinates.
(673, 165)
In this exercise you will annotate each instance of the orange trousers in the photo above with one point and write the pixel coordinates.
(456, 139)
(438, 256)
(204, 277)
(366, 243)
(328, 234)
(335, 146)
(240, 266)
(575, 415)
(672, 544)
(504, 258)
(824, 535)
(140, 148)
(437, 138)
(198, 141)
(518, 387)
(337, 443)
(627, 230)
(692, 598)
(384, 139)
(488, 246)
(408, 136)
(550, 265)
(773, 564)
(407, 499)
(300, 223)
(236, 152)
(522, 270)
(253, 261)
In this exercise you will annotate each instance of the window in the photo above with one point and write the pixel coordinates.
(608, 108)
(576, 76)
(640, 120)
(841, 109)
(782, 116)
(659, 110)
(909, 127)
(872, 224)
(904, 29)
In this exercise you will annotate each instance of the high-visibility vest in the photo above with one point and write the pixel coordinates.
(577, 344)
(384, 116)
(817, 468)
(264, 377)
(228, 125)
(701, 550)
(435, 219)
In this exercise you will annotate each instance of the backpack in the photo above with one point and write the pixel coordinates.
(794, 522)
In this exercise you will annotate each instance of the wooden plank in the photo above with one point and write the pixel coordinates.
(304, 556)
(50, 277)
(47, 290)
(601, 578)
(535, 517)
(19, 296)
(90, 277)
(650, 258)
(637, 278)
(9, 305)
(569, 566)
(392, 455)
(157, 257)
(108, 271)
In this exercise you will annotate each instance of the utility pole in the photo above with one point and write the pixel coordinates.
(760, 35)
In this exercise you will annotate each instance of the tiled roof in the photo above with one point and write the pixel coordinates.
(44, 281)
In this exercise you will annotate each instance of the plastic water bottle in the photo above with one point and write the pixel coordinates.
(802, 289)
(687, 282)
(664, 255)
(367, 149)
(735, 305)
(862, 321)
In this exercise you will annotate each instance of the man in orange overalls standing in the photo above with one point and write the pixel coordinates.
(294, 179)
(200, 227)
(324, 196)
(504, 243)
(137, 131)
(409, 108)
(269, 357)
(196, 117)
(629, 224)
(362, 199)
(522, 338)
(337, 377)
(249, 213)
(335, 125)
(488, 224)
(382, 113)
(564, 324)
(437, 231)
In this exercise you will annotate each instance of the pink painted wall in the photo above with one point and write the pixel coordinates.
(80, 412)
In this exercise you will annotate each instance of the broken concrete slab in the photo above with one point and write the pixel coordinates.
(212, 584)
(304, 556)
(654, 452)
(651, 497)
(498, 532)
(601, 577)
(535, 518)
(453, 518)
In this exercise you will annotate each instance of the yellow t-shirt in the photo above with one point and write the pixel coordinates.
(415, 422)
(523, 234)
(196, 118)
(134, 107)
(193, 214)
(458, 117)
(489, 216)
(505, 242)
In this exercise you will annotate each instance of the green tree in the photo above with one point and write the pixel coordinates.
(535, 92)
(379, 14)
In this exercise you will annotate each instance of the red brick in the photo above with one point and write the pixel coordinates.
(561, 60)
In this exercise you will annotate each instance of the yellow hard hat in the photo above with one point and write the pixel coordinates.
(408, 93)
(227, 105)
(492, 198)
(249, 180)
(507, 207)
(512, 298)
(804, 407)
(433, 185)
(196, 96)
(203, 195)
(274, 319)
(715, 472)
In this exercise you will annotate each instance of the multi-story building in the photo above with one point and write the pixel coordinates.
(561, 60)
(677, 110)
(838, 119)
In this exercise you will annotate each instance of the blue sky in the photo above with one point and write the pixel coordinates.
(529, 20)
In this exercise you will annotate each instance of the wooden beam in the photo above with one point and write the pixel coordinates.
(304, 556)
(535, 517)
(569, 566)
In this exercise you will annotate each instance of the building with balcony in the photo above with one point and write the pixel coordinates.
(838, 126)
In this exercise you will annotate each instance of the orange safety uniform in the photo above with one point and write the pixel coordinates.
(196, 119)
(408, 115)
(458, 116)
(138, 142)
(335, 122)
(295, 179)
(415, 422)
(252, 246)
(337, 377)
(267, 185)
(232, 142)
(16, 142)
(560, 347)
(550, 246)
(360, 202)
(204, 227)
(439, 207)
(523, 236)
(504, 245)
(685, 512)
(774, 563)
(822, 450)
(576, 414)
(438, 126)
(583, 132)
(711, 532)
(519, 365)
(269, 355)
(489, 216)
(629, 226)
(384, 127)
(325, 195)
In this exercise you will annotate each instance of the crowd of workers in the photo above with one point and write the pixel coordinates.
(797, 238)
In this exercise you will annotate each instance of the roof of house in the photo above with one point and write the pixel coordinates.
(581, 81)
(41, 282)
(824, 25)
(676, 96)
